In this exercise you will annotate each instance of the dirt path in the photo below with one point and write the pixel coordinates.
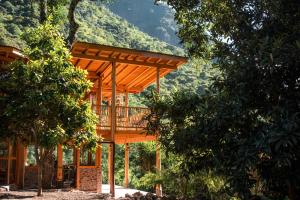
(76, 195)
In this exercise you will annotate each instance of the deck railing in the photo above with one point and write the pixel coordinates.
(126, 117)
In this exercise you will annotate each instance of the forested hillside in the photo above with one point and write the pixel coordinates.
(162, 24)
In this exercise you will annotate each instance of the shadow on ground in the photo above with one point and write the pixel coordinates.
(13, 196)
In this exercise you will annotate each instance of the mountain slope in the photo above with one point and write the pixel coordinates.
(97, 25)
(159, 19)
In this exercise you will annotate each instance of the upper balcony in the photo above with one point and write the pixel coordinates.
(127, 118)
(118, 72)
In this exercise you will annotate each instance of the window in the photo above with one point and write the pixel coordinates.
(87, 158)
(68, 155)
(30, 155)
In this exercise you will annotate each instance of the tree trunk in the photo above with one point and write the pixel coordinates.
(73, 26)
(38, 156)
(43, 10)
(40, 179)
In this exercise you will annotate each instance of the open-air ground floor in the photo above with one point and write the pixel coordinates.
(121, 192)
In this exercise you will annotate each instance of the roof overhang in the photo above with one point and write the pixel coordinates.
(9, 54)
(135, 69)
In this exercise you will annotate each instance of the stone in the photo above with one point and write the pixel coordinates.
(150, 196)
(4, 188)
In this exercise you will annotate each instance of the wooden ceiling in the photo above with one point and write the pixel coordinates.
(135, 69)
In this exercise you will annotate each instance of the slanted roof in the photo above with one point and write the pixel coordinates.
(135, 69)
(9, 54)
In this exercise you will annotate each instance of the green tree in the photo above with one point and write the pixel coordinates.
(246, 125)
(42, 98)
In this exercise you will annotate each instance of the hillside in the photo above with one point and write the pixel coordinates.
(137, 12)
(97, 24)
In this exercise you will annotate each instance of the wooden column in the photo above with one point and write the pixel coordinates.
(21, 160)
(113, 130)
(99, 166)
(59, 174)
(99, 149)
(126, 181)
(111, 168)
(158, 187)
(77, 169)
(108, 162)
(8, 163)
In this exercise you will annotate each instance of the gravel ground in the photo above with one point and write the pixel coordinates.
(53, 195)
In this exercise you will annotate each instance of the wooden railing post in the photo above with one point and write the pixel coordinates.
(126, 108)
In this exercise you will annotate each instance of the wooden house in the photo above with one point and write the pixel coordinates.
(116, 73)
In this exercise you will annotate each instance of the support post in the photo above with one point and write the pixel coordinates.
(99, 167)
(59, 174)
(24, 164)
(77, 169)
(113, 130)
(111, 168)
(108, 162)
(126, 181)
(158, 155)
(99, 149)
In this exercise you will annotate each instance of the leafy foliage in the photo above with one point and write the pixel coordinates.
(42, 97)
(246, 124)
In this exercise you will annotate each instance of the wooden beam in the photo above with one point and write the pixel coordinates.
(126, 181)
(59, 174)
(133, 52)
(131, 62)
